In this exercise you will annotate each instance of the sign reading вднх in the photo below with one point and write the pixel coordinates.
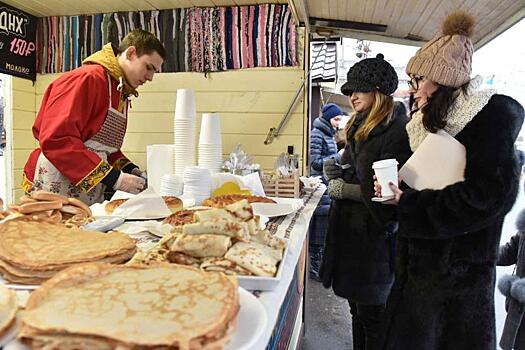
(17, 42)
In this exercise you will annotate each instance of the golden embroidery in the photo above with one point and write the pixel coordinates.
(94, 177)
(120, 163)
(27, 185)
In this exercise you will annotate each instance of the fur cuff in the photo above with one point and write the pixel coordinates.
(505, 283)
(517, 291)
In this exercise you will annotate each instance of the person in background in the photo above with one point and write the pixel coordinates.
(322, 142)
(448, 239)
(358, 257)
(322, 148)
(513, 287)
(82, 122)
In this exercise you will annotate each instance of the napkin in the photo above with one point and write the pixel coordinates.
(145, 205)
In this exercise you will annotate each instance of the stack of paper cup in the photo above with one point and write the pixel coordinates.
(197, 183)
(210, 142)
(185, 126)
(171, 185)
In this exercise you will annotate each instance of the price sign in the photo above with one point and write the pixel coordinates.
(17, 42)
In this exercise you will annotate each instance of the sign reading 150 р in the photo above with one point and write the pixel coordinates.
(17, 42)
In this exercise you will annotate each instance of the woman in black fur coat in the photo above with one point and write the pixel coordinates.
(448, 239)
(513, 287)
(358, 258)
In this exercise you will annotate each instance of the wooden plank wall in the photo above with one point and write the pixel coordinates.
(23, 110)
(249, 101)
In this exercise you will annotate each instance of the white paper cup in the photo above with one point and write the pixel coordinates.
(210, 129)
(386, 172)
(185, 105)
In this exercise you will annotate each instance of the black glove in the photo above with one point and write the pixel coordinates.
(332, 170)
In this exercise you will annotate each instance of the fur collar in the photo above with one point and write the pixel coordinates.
(461, 112)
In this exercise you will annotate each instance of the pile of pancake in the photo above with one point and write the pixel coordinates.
(32, 252)
(104, 306)
(226, 239)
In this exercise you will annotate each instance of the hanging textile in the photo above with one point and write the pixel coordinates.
(196, 39)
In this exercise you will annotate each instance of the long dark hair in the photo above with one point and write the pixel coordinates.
(435, 111)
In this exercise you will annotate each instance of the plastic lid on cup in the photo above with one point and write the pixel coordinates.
(385, 163)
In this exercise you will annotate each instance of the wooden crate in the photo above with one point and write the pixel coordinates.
(282, 187)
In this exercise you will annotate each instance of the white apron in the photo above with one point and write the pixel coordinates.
(106, 141)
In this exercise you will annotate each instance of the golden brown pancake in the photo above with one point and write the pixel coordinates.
(164, 305)
(224, 200)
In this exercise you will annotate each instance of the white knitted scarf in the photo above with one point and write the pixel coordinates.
(461, 112)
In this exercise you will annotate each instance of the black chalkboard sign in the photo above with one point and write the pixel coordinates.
(17, 42)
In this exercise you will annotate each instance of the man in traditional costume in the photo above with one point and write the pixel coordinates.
(82, 122)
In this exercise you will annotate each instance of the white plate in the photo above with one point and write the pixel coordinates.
(251, 322)
(381, 199)
(16, 286)
(272, 209)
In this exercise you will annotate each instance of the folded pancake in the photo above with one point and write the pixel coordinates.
(213, 214)
(238, 230)
(225, 266)
(200, 246)
(41, 247)
(258, 258)
(8, 308)
(242, 210)
(163, 306)
(184, 259)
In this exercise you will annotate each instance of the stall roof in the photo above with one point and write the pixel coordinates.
(412, 22)
(44, 8)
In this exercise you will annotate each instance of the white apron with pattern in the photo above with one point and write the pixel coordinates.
(107, 140)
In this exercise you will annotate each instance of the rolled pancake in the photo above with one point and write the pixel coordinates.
(202, 245)
(225, 266)
(237, 230)
(164, 305)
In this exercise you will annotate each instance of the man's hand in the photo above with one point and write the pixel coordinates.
(129, 183)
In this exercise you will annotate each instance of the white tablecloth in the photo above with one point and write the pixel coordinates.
(294, 227)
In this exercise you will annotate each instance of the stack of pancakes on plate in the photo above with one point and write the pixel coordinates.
(32, 252)
(104, 306)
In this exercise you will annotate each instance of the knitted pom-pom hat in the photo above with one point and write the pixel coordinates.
(447, 59)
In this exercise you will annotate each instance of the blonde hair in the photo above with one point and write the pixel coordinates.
(382, 108)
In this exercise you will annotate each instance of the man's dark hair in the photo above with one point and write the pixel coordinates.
(145, 43)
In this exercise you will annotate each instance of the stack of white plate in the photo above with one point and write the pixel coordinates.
(197, 183)
(210, 142)
(185, 126)
(171, 185)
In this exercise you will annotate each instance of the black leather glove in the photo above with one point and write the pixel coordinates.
(332, 170)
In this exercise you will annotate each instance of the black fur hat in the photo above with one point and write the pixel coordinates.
(371, 74)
